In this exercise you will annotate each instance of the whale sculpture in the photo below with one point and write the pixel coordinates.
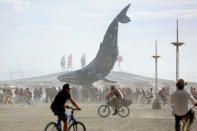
(105, 59)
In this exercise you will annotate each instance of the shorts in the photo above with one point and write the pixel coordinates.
(161, 96)
(116, 101)
(61, 114)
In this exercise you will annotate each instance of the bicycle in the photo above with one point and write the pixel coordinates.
(73, 124)
(185, 123)
(104, 110)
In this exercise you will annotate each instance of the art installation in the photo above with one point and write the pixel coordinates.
(105, 59)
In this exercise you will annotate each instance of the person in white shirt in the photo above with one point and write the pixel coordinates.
(181, 99)
(117, 97)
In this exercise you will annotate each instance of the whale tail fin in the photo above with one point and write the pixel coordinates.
(122, 17)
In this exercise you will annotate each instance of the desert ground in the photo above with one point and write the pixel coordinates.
(141, 118)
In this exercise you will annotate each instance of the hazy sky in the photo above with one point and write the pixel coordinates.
(35, 34)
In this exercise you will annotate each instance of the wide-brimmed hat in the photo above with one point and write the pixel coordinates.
(181, 82)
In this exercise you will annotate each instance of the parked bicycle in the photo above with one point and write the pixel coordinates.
(123, 110)
(74, 125)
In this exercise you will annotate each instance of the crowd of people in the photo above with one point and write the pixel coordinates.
(19, 95)
(47, 95)
(146, 96)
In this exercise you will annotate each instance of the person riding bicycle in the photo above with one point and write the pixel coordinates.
(58, 105)
(117, 99)
(180, 100)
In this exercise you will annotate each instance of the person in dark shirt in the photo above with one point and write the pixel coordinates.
(58, 105)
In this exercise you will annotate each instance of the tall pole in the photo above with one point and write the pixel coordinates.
(156, 104)
(177, 44)
(156, 78)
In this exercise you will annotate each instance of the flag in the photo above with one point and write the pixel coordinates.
(83, 60)
(62, 63)
(120, 59)
(69, 64)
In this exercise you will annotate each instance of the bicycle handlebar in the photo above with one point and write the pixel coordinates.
(70, 107)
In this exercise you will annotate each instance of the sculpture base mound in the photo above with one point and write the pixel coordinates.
(156, 105)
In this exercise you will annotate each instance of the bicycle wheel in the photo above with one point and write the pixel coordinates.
(52, 126)
(123, 111)
(77, 126)
(103, 111)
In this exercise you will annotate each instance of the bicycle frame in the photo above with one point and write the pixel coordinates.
(72, 123)
(69, 121)
(185, 123)
(71, 117)
(110, 104)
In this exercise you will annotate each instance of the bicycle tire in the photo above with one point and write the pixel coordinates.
(77, 126)
(123, 111)
(102, 109)
(52, 125)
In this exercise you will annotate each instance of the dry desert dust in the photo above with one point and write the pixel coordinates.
(141, 118)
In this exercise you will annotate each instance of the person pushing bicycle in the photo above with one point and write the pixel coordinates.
(117, 99)
(181, 99)
(58, 105)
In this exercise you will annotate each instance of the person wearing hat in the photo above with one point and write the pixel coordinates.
(180, 100)
(58, 105)
(117, 97)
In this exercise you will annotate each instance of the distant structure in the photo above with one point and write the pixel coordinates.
(156, 104)
(105, 59)
(17, 75)
(83, 60)
(63, 62)
(70, 62)
(120, 59)
(177, 44)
